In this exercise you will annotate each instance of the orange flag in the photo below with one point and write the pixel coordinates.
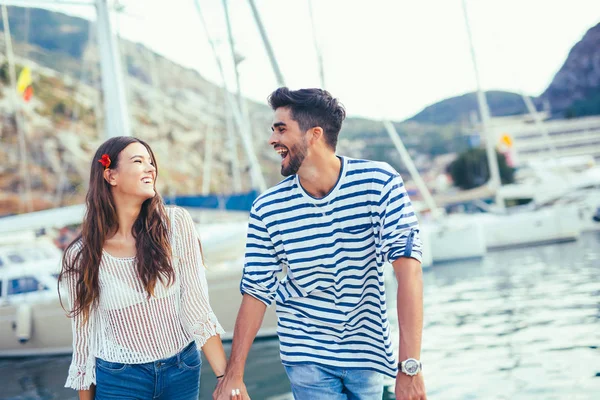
(28, 93)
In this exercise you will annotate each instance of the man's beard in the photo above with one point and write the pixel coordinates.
(296, 155)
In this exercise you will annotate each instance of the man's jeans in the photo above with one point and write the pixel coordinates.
(318, 382)
(174, 378)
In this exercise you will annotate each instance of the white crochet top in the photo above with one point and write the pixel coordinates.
(126, 326)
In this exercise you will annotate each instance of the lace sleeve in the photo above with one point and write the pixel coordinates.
(197, 316)
(82, 371)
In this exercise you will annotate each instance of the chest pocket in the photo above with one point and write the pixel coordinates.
(356, 229)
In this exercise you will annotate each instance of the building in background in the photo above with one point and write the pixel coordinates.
(570, 137)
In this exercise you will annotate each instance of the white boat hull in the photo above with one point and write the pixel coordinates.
(50, 334)
(542, 226)
(587, 207)
(454, 239)
(51, 329)
(427, 256)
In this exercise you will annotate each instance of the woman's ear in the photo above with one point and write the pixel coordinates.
(110, 176)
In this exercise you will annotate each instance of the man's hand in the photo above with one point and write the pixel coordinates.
(247, 324)
(410, 387)
(228, 387)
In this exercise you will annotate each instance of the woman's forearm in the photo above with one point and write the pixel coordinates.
(215, 354)
(87, 394)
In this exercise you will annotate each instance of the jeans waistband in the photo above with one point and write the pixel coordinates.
(175, 360)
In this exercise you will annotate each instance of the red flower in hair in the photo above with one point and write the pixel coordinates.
(105, 161)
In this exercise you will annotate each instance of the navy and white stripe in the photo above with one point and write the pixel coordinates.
(331, 301)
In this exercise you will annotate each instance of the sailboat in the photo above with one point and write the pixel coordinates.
(32, 321)
(563, 182)
(524, 226)
(448, 239)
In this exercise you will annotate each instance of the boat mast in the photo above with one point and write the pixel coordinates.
(316, 43)
(208, 146)
(115, 103)
(412, 169)
(258, 180)
(540, 124)
(267, 44)
(25, 187)
(484, 111)
(237, 185)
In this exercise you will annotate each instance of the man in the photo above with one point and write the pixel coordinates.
(332, 223)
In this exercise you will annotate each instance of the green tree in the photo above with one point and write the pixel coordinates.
(470, 169)
(59, 108)
(4, 78)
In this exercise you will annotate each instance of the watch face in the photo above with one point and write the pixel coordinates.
(411, 366)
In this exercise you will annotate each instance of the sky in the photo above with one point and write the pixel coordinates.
(382, 58)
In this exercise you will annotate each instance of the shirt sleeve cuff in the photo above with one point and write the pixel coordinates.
(395, 254)
(82, 377)
(258, 295)
(207, 328)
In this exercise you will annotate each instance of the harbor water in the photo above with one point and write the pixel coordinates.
(521, 323)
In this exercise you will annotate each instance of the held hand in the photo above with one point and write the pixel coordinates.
(410, 387)
(230, 388)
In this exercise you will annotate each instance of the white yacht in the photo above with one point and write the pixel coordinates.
(32, 321)
(529, 226)
(571, 182)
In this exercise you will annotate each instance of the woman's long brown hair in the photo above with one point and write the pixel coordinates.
(150, 230)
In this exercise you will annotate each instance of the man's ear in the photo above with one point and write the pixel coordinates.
(110, 176)
(317, 133)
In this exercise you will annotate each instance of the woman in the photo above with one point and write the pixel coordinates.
(136, 285)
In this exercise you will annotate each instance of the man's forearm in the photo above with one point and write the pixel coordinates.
(410, 306)
(247, 324)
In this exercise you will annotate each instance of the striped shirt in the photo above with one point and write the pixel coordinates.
(331, 302)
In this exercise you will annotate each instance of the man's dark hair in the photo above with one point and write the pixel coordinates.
(311, 108)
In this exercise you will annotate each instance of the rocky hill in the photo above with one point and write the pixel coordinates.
(172, 107)
(464, 108)
(575, 90)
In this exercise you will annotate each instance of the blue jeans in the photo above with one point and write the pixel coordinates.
(319, 382)
(174, 378)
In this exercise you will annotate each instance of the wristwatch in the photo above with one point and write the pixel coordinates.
(411, 367)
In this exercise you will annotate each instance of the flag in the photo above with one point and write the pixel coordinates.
(24, 80)
(24, 84)
(506, 140)
(28, 93)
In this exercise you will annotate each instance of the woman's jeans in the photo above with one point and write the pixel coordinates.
(174, 378)
(319, 382)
